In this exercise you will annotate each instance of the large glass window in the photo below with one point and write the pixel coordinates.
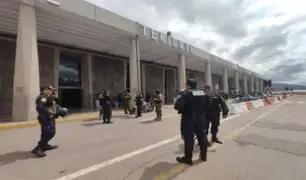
(70, 71)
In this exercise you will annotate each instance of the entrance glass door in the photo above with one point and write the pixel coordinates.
(71, 97)
(70, 80)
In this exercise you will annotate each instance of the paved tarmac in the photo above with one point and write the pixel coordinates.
(267, 143)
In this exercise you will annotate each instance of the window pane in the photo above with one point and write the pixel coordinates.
(70, 71)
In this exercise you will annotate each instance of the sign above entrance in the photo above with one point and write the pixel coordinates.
(54, 2)
(163, 38)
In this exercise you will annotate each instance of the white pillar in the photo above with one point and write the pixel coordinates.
(208, 78)
(125, 73)
(56, 64)
(164, 80)
(237, 81)
(134, 67)
(26, 74)
(87, 79)
(261, 86)
(181, 71)
(257, 85)
(225, 81)
(245, 84)
(143, 75)
(90, 80)
(252, 83)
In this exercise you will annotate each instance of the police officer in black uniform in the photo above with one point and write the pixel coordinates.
(216, 105)
(192, 104)
(105, 103)
(100, 97)
(46, 108)
(139, 100)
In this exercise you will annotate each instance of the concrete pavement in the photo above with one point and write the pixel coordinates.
(267, 143)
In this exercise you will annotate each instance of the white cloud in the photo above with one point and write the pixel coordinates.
(259, 34)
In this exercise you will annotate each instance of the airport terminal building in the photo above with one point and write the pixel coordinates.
(81, 49)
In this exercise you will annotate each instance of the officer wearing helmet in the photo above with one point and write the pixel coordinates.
(158, 101)
(192, 105)
(48, 110)
(105, 103)
(216, 105)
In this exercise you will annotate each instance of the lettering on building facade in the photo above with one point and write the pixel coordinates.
(164, 39)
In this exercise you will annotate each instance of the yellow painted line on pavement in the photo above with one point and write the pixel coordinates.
(73, 117)
(31, 123)
(228, 138)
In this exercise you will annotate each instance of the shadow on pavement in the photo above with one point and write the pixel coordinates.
(152, 173)
(93, 124)
(165, 171)
(121, 117)
(12, 157)
(149, 121)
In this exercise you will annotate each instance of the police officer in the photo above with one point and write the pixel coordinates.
(126, 101)
(100, 97)
(158, 101)
(216, 105)
(192, 104)
(46, 108)
(105, 103)
(138, 100)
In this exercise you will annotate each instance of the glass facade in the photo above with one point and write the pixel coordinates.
(70, 71)
(70, 80)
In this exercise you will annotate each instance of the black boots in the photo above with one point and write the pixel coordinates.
(216, 140)
(203, 156)
(184, 160)
(188, 161)
(49, 147)
(38, 152)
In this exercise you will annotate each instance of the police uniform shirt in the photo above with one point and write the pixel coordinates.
(192, 101)
(45, 105)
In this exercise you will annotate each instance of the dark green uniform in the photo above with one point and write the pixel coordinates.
(126, 102)
(157, 100)
(139, 100)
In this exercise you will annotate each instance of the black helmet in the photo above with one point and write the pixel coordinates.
(157, 91)
(62, 111)
(192, 83)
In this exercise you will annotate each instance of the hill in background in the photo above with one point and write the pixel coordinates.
(281, 86)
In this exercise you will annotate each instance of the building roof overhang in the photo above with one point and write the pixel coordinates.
(78, 23)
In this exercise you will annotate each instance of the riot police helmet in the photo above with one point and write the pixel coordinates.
(192, 83)
(62, 111)
(157, 91)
